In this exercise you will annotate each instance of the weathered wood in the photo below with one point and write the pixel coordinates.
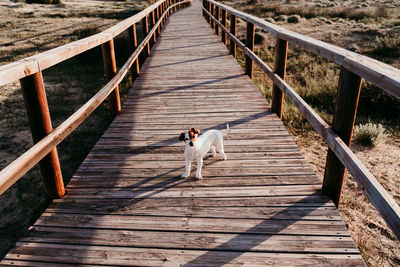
(233, 22)
(280, 69)
(145, 32)
(110, 70)
(223, 34)
(217, 17)
(132, 47)
(343, 121)
(153, 22)
(38, 113)
(250, 45)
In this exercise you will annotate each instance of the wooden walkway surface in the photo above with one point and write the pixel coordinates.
(127, 205)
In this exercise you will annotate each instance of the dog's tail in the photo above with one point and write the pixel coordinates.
(224, 133)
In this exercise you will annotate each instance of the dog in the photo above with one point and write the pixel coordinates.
(198, 146)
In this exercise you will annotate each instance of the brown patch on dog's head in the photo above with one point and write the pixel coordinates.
(196, 131)
(182, 136)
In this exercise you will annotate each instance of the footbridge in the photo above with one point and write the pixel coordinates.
(127, 204)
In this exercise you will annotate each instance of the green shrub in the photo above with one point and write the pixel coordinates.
(368, 134)
(293, 19)
(47, 2)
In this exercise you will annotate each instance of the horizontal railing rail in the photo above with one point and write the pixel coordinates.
(33, 65)
(338, 137)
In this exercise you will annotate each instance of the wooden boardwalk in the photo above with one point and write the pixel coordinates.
(127, 205)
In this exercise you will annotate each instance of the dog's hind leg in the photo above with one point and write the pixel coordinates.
(220, 148)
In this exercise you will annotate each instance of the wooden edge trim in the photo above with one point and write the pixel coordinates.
(382, 75)
(378, 196)
(15, 170)
(30, 65)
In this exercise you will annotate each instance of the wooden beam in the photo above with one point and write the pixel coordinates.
(280, 69)
(223, 34)
(153, 22)
(132, 47)
(217, 17)
(145, 31)
(110, 69)
(40, 122)
(250, 44)
(343, 122)
(233, 32)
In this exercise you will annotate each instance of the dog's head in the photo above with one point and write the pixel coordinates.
(190, 136)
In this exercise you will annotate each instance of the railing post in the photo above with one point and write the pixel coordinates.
(250, 45)
(110, 69)
(343, 122)
(217, 17)
(135, 69)
(223, 34)
(40, 122)
(153, 22)
(209, 11)
(280, 69)
(213, 14)
(233, 32)
(158, 17)
(145, 31)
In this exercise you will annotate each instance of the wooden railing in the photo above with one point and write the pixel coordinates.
(354, 67)
(29, 72)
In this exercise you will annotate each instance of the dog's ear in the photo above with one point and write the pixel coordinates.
(182, 136)
(196, 131)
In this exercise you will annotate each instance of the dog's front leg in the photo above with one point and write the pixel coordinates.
(199, 167)
(188, 163)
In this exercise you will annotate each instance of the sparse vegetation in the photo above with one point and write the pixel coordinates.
(368, 134)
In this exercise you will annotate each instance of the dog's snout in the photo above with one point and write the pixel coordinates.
(191, 143)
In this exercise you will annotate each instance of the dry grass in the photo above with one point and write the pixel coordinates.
(316, 79)
(27, 29)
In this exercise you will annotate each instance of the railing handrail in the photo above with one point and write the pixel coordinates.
(379, 197)
(382, 75)
(30, 65)
(20, 166)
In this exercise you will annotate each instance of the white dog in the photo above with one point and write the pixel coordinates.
(198, 146)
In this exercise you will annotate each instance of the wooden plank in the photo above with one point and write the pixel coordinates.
(124, 256)
(231, 242)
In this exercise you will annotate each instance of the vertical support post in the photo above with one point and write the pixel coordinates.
(209, 20)
(158, 17)
(110, 69)
(343, 122)
(212, 14)
(132, 47)
(204, 5)
(280, 69)
(250, 45)
(145, 31)
(233, 32)
(40, 122)
(217, 17)
(223, 34)
(153, 22)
